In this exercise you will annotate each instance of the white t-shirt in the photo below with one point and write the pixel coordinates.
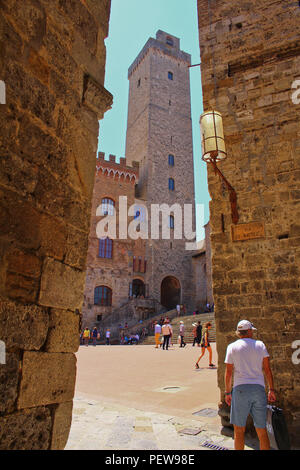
(166, 329)
(247, 356)
(107, 334)
(157, 328)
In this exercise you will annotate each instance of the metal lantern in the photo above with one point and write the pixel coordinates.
(213, 143)
(214, 151)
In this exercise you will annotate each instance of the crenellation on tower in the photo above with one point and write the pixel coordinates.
(121, 170)
(162, 43)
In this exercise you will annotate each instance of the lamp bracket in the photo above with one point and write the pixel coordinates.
(232, 193)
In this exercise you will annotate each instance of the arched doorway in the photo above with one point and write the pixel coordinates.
(138, 288)
(170, 292)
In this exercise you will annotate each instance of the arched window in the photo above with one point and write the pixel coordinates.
(169, 41)
(108, 206)
(171, 221)
(171, 184)
(105, 248)
(140, 212)
(102, 296)
(171, 160)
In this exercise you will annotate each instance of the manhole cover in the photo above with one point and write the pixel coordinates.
(190, 431)
(171, 389)
(207, 412)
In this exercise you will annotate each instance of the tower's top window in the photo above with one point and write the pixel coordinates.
(170, 41)
(170, 75)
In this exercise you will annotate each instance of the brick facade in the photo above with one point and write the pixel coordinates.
(122, 266)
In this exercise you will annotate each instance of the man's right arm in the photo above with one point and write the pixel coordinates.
(269, 377)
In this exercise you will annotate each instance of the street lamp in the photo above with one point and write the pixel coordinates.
(214, 150)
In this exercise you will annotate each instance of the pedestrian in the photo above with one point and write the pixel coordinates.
(181, 333)
(178, 309)
(95, 336)
(166, 331)
(194, 325)
(157, 331)
(206, 345)
(86, 336)
(247, 360)
(107, 336)
(199, 333)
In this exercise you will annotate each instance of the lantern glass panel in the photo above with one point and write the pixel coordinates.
(212, 136)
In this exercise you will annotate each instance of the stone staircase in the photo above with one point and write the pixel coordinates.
(188, 321)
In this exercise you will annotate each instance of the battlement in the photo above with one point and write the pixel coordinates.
(168, 44)
(111, 169)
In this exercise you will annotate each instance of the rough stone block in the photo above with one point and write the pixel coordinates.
(46, 378)
(61, 286)
(26, 430)
(9, 379)
(63, 333)
(23, 263)
(21, 288)
(61, 425)
(23, 326)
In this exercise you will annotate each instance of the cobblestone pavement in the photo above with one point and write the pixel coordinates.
(139, 398)
(106, 426)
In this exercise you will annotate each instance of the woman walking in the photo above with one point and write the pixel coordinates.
(167, 333)
(205, 345)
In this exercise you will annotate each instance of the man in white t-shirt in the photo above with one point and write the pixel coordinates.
(246, 359)
(107, 336)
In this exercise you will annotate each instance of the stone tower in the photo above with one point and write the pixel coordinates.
(159, 137)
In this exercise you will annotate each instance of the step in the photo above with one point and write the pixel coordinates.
(188, 320)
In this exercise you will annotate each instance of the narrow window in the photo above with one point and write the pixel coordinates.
(103, 296)
(170, 75)
(105, 248)
(169, 41)
(171, 160)
(107, 206)
(139, 83)
(140, 264)
(171, 184)
(171, 221)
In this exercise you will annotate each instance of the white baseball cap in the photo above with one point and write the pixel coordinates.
(245, 325)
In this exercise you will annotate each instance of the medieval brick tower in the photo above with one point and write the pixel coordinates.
(159, 137)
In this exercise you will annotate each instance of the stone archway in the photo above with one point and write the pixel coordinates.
(55, 97)
(170, 292)
(138, 288)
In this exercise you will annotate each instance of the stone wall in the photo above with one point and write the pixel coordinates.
(52, 62)
(250, 59)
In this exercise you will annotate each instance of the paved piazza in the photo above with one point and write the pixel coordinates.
(142, 398)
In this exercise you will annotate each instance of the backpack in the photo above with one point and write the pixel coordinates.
(277, 429)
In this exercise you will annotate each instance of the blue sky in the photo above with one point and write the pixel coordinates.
(132, 22)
